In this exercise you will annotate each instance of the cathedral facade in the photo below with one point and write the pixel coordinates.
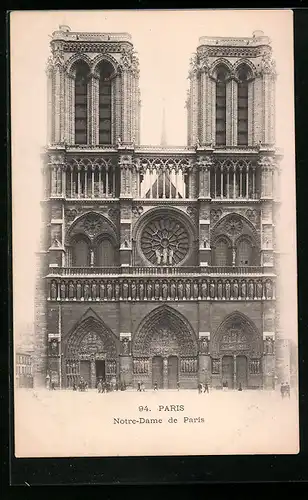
(158, 264)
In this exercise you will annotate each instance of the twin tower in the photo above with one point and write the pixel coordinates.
(158, 263)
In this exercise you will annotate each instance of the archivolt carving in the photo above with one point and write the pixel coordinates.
(236, 334)
(91, 338)
(165, 332)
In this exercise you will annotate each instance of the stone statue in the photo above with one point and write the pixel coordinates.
(158, 256)
(125, 345)
(259, 290)
(71, 290)
(269, 345)
(86, 291)
(102, 291)
(251, 290)
(269, 290)
(141, 290)
(117, 291)
(170, 256)
(109, 291)
(243, 290)
(62, 290)
(212, 290)
(164, 290)
(180, 290)
(204, 289)
(172, 290)
(219, 290)
(228, 290)
(196, 290)
(235, 290)
(149, 290)
(187, 290)
(165, 256)
(133, 290)
(94, 293)
(119, 141)
(79, 290)
(156, 290)
(53, 291)
(204, 345)
(125, 290)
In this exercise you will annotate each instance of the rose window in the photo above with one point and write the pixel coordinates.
(165, 241)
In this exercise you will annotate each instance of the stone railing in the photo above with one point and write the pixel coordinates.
(159, 289)
(160, 271)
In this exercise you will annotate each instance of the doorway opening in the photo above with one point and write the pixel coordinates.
(173, 372)
(157, 371)
(100, 370)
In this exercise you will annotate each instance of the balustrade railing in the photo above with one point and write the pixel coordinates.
(159, 270)
(160, 289)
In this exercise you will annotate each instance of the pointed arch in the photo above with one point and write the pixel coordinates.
(73, 62)
(90, 337)
(92, 224)
(96, 62)
(245, 65)
(165, 331)
(246, 226)
(237, 333)
(220, 64)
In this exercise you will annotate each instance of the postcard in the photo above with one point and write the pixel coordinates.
(154, 233)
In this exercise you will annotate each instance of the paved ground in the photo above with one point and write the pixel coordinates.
(66, 423)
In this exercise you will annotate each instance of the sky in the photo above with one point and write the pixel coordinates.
(165, 41)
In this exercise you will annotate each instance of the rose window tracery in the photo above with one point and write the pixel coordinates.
(165, 241)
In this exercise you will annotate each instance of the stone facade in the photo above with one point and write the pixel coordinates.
(157, 262)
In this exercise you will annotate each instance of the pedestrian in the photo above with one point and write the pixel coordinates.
(282, 390)
(240, 387)
(155, 386)
(200, 387)
(206, 387)
(139, 387)
(178, 386)
(142, 388)
(99, 386)
(48, 381)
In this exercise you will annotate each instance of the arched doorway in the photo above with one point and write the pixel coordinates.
(90, 353)
(167, 342)
(238, 348)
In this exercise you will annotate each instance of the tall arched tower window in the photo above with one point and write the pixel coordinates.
(81, 104)
(105, 103)
(242, 108)
(221, 93)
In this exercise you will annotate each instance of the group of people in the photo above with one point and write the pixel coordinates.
(81, 386)
(105, 386)
(140, 387)
(285, 389)
(203, 388)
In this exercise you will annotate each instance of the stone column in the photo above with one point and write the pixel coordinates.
(126, 360)
(194, 107)
(94, 108)
(93, 373)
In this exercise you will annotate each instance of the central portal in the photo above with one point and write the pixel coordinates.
(157, 371)
(173, 372)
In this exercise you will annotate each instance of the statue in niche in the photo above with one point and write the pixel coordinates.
(259, 289)
(156, 290)
(269, 345)
(141, 290)
(170, 256)
(125, 244)
(180, 290)
(94, 293)
(86, 291)
(164, 290)
(133, 290)
(228, 290)
(196, 290)
(125, 290)
(235, 290)
(117, 291)
(212, 290)
(119, 141)
(62, 290)
(125, 345)
(204, 345)
(158, 256)
(71, 290)
(251, 290)
(109, 290)
(243, 290)
(204, 289)
(219, 290)
(78, 290)
(187, 290)
(206, 244)
(149, 290)
(269, 290)
(53, 291)
(102, 291)
(172, 290)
